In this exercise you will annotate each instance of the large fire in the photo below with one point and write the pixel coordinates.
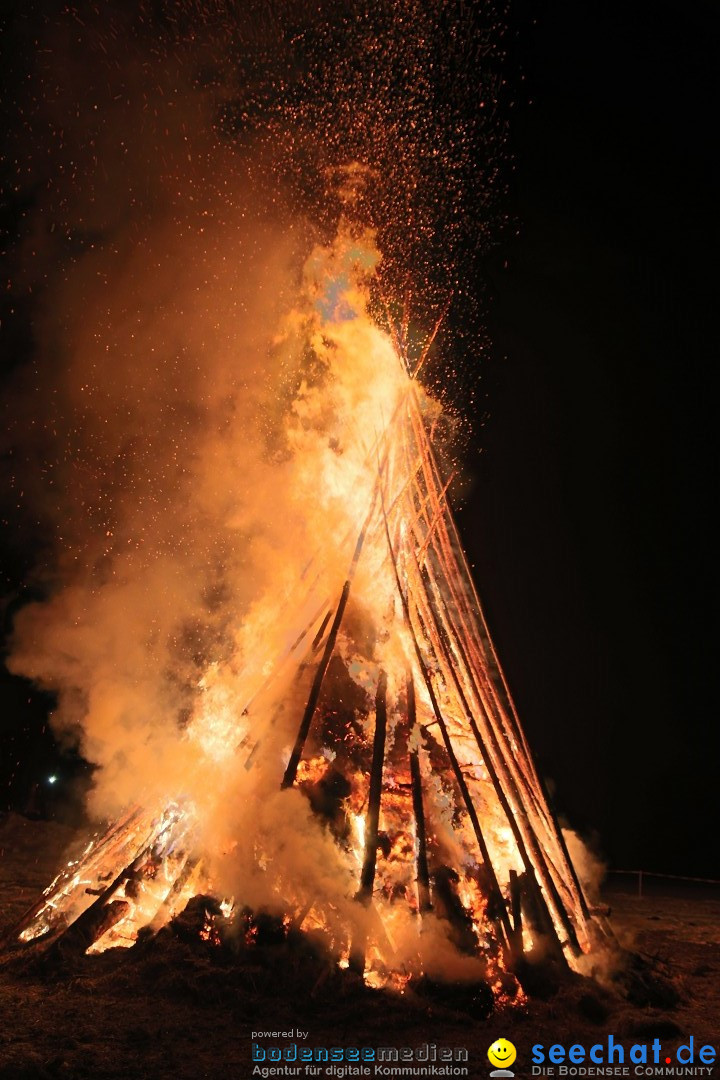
(355, 763)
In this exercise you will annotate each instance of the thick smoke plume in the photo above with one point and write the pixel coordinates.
(153, 412)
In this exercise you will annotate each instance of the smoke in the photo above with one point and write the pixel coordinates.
(195, 425)
(151, 418)
(169, 162)
(189, 433)
(590, 868)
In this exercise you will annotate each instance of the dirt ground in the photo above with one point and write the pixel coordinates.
(174, 1009)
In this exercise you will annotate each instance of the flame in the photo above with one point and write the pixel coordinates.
(357, 458)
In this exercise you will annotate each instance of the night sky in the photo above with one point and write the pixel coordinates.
(593, 477)
(590, 520)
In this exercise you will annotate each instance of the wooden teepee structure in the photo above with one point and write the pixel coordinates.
(459, 723)
(407, 745)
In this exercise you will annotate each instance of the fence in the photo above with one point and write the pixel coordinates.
(643, 875)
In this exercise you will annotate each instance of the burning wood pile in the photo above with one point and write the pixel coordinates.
(358, 769)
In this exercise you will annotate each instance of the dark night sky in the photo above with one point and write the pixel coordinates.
(590, 519)
(588, 522)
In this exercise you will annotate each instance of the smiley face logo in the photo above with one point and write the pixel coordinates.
(502, 1054)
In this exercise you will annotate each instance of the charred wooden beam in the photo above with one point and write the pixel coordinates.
(454, 911)
(423, 874)
(372, 819)
(320, 671)
(453, 567)
(478, 676)
(432, 620)
(529, 781)
(278, 667)
(497, 900)
(90, 927)
(516, 910)
(321, 630)
(314, 697)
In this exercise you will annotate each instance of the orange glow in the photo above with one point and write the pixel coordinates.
(357, 461)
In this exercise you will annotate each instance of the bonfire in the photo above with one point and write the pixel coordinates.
(355, 766)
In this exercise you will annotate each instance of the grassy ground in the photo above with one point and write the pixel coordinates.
(179, 1010)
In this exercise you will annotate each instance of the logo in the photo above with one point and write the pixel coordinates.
(502, 1054)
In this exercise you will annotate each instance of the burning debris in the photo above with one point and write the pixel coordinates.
(355, 772)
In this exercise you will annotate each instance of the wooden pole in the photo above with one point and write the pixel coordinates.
(86, 929)
(292, 765)
(372, 821)
(544, 808)
(453, 639)
(319, 636)
(423, 873)
(497, 897)
(499, 684)
(516, 908)
(294, 761)
(277, 668)
(455, 562)
(495, 764)
(372, 818)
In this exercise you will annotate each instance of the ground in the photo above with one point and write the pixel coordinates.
(176, 1010)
